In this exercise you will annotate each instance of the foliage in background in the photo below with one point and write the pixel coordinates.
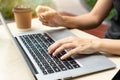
(91, 3)
(7, 5)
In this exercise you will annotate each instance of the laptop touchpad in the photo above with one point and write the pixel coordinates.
(59, 33)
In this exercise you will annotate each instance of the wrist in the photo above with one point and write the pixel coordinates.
(68, 22)
(65, 20)
(96, 43)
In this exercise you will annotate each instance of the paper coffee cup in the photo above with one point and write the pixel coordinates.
(23, 16)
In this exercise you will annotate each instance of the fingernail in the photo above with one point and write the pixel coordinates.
(49, 51)
(54, 55)
(62, 58)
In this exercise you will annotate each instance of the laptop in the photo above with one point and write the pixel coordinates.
(33, 46)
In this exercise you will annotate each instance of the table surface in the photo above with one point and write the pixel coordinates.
(14, 67)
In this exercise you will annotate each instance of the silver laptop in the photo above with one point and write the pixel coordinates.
(33, 46)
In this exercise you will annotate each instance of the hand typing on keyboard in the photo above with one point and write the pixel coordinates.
(77, 45)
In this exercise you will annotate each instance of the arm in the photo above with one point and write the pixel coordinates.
(110, 46)
(92, 19)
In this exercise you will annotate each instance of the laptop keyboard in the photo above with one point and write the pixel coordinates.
(37, 44)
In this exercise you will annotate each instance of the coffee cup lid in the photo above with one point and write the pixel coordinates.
(22, 8)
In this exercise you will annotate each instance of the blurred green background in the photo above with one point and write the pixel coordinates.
(7, 5)
(90, 3)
